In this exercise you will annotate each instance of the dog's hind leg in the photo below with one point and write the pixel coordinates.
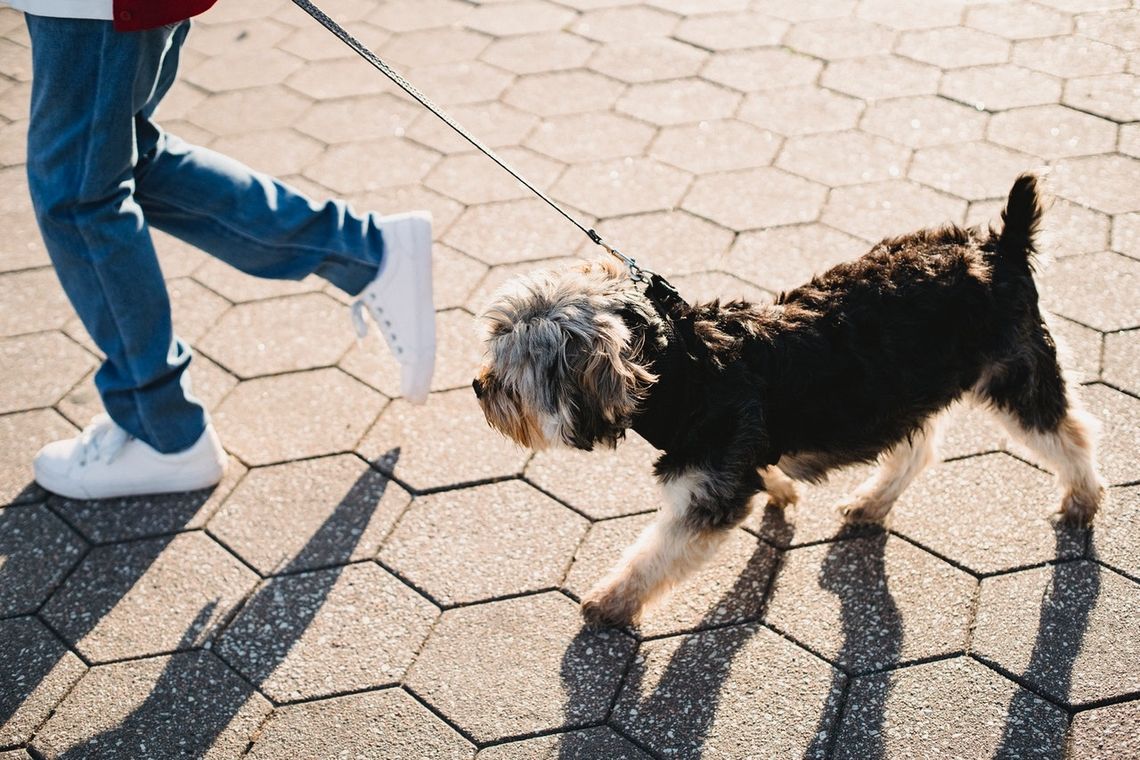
(898, 467)
(780, 488)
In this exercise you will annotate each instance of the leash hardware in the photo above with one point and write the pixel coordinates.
(636, 273)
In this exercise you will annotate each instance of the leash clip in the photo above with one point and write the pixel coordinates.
(636, 273)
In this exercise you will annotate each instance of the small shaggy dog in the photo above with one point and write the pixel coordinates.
(854, 366)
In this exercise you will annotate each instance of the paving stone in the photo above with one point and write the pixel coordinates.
(1106, 733)
(1117, 528)
(1019, 22)
(972, 171)
(430, 46)
(1122, 360)
(1126, 234)
(23, 246)
(479, 543)
(998, 88)
(1078, 349)
(648, 60)
(314, 43)
(836, 38)
(397, 443)
(471, 178)
(535, 53)
(444, 211)
(1069, 57)
(37, 670)
(304, 414)
(969, 429)
(988, 514)
(707, 286)
(339, 78)
(33, 301)
(365, 117)
(238, 287)
(371, 165)
(454, 276)
(194, 308)
(409, 15)
(814, 517)
(460, 83)
(684, 102)
(386, 725)
(954, 707)
(628, 186)
(214, 40)
(843, 158)
(510, 232)
(1069, 229)
(669, 242)
(497, 126)
(38, 551)
(537, 668)
(763, 69)
(44, 366)
(786, 257)
(755, 198)
(1119, 417)
(1102, 182)
(141, 708)
(872, 603)
(1069, 630)
(731, 31)
(14, 101)
(807, 10)
(148, 597)
(518, 18)
(695, 696)
(573, 745)
(1066, 286)
(21, 436)
(715, 146)
(801, 111)
(1118, 27)
(730, 588)
(920, 15)
(177, 258)
(880, 77)
(924, 121)
(1130, 140)
(104, 521)
(1052, 132)
(578, 138)
(563, 92)
(329, 631)
(878, 210)
(309, 514)
(13, 143)
(953, 47)
(624, 24)
(480, 298)
(243, 70)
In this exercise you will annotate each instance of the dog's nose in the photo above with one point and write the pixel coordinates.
(478, 386)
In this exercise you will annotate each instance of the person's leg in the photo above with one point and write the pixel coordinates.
(88, 84)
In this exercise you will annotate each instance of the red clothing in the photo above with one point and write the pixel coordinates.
(133, 15)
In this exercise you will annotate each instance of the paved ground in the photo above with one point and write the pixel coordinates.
(378, 580)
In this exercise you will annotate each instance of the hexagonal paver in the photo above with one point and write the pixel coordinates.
(715, 146)
(924, 121)
(514, 231)
(147, 597)
(1119, 418)
(881, 76)
(997, 88)
(708, 286)
(1122, 360)
(371, 165)
(194, 308)
(45, 366)
(843, 158)
(535, 53)
(872, 603)
(614, 24)
(755, 198)
(972, 171)
(471, 178)
(563, 92)
(953, 707)
(1106, 733)
(236, 286)
(971, 429)
(524, 17)
(695, 696)
(921, 15)
(1126, 234)
(882, 209)
(37, 670)
(293, 416)
(1069, 57)
(1113, 96)
(801, 110)
(33, 301)
(1066, 286)
(25, 247)
(340, 78)
(364, 117)
(1052, 132)
(1117, 27)
(497, 126)
(1069, 630)
(729, 588)
(140, 708)
(249, 339)
(764, 69)
(397, 443)
(519, 666)
(833, 39)
(1106, 183)
(648, 60)
(454, 276)
(239, 71)
(328, 631)
(408, 15)
(314, 43)
(1117, 530)
(428, 46)
(814, 517)
(786, 257)
(591, 742)
(478, 543)
(21, 436)
(577, 138)
(280, 152)
(309, 514)
(731, 31)
(669, 242)
(463, 82)
(614, 188)
(1019, 23)
(953, 47)
(987, 513)
(38, 551)
(443, 210)
(684, 102)
(387, 724)
(1069, 229)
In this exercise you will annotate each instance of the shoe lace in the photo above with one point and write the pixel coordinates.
(359, 323)
(102, 440)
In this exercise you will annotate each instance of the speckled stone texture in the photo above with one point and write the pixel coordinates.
(1107, 732)
(38, 550)
(574, 745)
(600, 483)
(37, 671)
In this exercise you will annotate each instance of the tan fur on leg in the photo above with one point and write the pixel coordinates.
(898, 467)
(780, 488)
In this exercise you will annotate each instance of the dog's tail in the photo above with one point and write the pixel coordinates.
(1021, 219)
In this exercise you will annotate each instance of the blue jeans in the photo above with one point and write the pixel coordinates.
(101, 173)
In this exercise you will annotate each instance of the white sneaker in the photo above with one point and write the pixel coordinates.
(105, 462)
(400, 301)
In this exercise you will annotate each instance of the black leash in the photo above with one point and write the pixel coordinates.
(636, 273)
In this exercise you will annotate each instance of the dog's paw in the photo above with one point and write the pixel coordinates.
(1079, 508)
(862, 510)
(608, 606)
(782, 495)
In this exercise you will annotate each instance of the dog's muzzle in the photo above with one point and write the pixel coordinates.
(477, 385)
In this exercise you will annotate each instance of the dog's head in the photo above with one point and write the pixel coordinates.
(562, 365)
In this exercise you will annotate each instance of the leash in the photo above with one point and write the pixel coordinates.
(636, 273)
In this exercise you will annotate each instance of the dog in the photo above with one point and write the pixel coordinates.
(855, 366)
